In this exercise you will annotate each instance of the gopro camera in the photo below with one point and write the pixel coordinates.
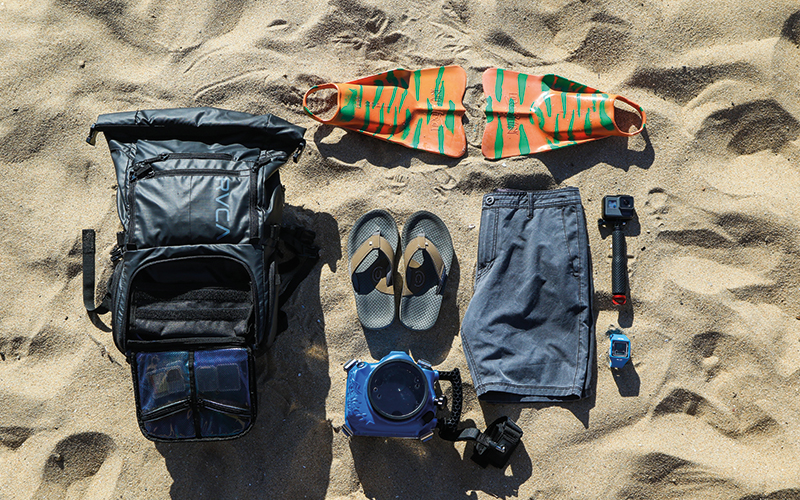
(617, 208)
(619, 349)
(617, 211)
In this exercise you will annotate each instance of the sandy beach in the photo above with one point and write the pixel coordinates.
(709, 407)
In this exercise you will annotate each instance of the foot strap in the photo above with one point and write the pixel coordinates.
(415, 278)
(494, 446)
(380, 271)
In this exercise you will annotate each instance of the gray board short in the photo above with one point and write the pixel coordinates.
(528, 332)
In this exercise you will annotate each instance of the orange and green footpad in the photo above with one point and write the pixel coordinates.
(528, 114)
(419, 109)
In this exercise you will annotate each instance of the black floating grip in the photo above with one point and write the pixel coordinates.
(619, 267)
(454, 377)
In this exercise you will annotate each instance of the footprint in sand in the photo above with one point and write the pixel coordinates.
(749, 127)
(398, 180)
(354, 26)
(73, 459)
(661, 475)
(443, 182)
(164, 26)
(14, 437)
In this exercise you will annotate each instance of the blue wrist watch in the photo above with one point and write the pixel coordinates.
(619, 351)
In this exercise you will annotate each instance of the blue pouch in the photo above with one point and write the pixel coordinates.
(194, 395)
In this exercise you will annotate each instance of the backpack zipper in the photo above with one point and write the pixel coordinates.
(144, 167)
(264, 158)
(147, 173)
(213, 405)
(166, 411)
(267, 157)
(188, 156)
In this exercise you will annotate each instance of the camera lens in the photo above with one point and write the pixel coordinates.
(626, 202)
(397, 389)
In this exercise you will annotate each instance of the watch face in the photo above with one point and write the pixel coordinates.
(397, 389)
(619, 349)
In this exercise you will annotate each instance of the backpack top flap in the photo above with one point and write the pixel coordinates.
(216, 125)
(212, 127)
(136, 136)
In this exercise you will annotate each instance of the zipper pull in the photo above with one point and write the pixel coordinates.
(263, 158)
(141, 170)
(145, 167)
(160, 157)
(267, 156)
(299, 151)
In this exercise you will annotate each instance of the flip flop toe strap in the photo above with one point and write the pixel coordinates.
(381, 270)
(414, 272)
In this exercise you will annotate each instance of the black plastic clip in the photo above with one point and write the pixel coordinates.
(92, 138)
(299, 151)
(496, 445)
(117, 253)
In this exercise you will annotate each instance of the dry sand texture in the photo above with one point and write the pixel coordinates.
(710, 409)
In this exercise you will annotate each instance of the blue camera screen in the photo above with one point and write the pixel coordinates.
(398, 390)
(619, 349)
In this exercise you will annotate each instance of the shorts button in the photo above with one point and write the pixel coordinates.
(490, 200)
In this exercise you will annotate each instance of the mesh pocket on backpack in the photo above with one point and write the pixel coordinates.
(194, 395)
(223, 391)
(200, 297)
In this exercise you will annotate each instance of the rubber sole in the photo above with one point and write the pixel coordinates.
(420, 312)
(376, 310)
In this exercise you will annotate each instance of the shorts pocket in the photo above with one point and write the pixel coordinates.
(487, 242)
(569, 219)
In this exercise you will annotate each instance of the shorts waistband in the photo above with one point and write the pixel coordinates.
(509, 198)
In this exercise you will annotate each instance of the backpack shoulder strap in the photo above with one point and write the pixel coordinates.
(88, 250)
(300, 242)
(297, 255)
(88, 276)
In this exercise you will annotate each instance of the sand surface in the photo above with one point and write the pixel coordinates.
(710, 407)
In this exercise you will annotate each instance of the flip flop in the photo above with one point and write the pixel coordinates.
(371, 250)
(427, 256)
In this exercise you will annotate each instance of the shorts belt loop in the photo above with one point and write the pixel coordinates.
(530, 205)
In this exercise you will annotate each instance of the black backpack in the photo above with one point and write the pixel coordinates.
(194, 294)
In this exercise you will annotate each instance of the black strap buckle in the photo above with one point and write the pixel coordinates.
(299, 151)
(496, 445)
(117, 253)
(92, 138)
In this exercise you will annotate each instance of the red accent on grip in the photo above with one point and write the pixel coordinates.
(619, 300)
